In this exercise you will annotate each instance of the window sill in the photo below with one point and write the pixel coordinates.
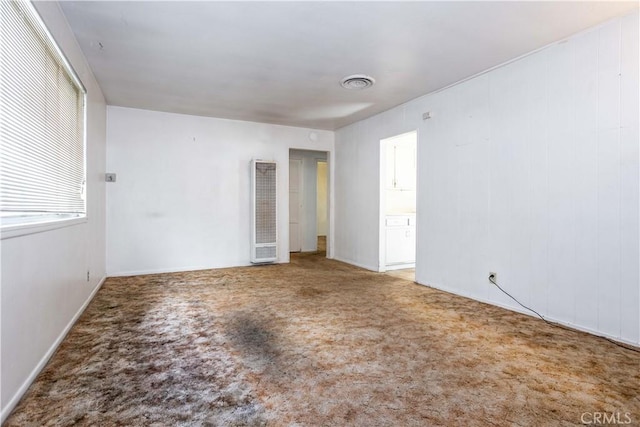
(17, 230)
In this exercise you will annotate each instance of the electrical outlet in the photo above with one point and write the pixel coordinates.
(88, 275)
(493, 277)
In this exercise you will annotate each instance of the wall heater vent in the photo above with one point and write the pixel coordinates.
(264, 230)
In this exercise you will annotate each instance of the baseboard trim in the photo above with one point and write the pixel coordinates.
(167, 270)
(4, 414)
(184, 269)
(357, 264)
(393, 267)
(520, 310)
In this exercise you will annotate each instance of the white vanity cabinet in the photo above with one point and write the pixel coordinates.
(400, 241)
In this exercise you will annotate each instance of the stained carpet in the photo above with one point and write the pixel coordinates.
(319, 343)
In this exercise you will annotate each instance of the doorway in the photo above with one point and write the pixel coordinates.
(308, 201)
(322, 204)
(398, 184)
(295, 204)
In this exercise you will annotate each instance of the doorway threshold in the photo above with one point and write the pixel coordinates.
(406, 274)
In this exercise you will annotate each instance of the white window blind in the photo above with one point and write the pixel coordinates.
(42, 122)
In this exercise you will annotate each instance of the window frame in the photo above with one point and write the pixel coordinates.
(24, 223)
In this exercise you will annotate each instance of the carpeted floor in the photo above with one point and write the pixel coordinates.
(406, 274)
(319, 343)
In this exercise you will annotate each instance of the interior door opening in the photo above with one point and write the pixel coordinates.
(398, 182)
(308, 201)
(295, 205)
(322, 204)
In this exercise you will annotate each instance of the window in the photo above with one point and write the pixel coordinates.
(42, 124)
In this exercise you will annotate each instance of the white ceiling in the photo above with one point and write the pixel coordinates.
(281, 62)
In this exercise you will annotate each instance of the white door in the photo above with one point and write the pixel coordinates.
(295, 204)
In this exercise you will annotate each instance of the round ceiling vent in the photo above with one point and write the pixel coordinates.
(357, 81)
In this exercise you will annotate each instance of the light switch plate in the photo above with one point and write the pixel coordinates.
(110, 177)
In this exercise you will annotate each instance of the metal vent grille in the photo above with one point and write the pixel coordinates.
(357, 81)
(266, 252)
(265, 202)
(264, 208)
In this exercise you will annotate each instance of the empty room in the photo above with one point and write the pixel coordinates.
(316, 213)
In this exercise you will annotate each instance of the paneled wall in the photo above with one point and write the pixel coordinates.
(529, 170)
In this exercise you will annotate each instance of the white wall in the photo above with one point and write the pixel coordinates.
(44, 285)
(309, 211)
(181, 200)
(529, 170)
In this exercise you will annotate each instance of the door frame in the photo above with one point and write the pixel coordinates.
(327, 201)
(382, 231)
(300, 199)
(330, 192)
